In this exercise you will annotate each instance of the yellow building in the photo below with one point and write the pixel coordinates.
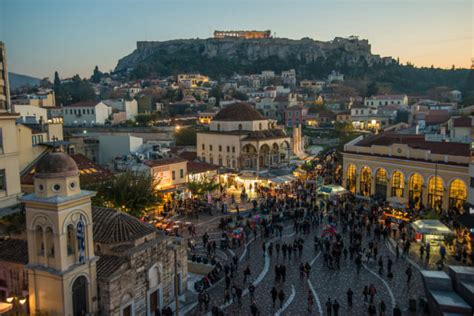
(9, 169)
(239, 137)
(61, 259)
(409, 169)
(170, 173)
(192, 80)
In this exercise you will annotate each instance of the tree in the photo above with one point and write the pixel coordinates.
(240, 95)
(133, 192)
(96, 75)
(57, 81)
(202, 186)
(372, 89)
(75, 91)
(185, 136)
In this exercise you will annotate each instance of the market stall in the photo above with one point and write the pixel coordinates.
(332, 191)
(431, 231)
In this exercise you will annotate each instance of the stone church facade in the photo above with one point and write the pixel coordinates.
(88, 260)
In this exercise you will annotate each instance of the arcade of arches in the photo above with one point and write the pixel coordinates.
(419, 191)
(266, 157)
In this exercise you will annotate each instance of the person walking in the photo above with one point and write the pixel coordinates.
(329, 306)
(246, 273)
(226, 296)
(281, 297)
(372, 292)
(251, 289)
(310, 302)
(349, 298)
(380, 265)
(382, 308)
(335, 307)
(372, 310)
(365, 292)
(274, 294)
(397, 311)
(254, 309)
(409, 273)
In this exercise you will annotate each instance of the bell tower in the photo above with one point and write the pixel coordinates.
(61, 259)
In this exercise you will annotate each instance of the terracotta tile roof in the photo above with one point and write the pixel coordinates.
(417, 142)
(266, 134)
(328, 114)
(164, 162)
(83, 104)
(107, 265)
(344, 113)
(387, 97)
(188, 155)
(465, 121)
(199, 167)
(112, 226)
(239, 112)
(89, 171)
(14, 250)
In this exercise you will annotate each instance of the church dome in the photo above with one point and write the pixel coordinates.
(239, 112)
(56, 164)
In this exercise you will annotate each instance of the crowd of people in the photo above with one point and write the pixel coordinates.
(349, 233)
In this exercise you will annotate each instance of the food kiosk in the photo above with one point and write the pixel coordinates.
(431, 230)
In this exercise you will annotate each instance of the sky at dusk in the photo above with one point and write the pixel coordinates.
(72, 36)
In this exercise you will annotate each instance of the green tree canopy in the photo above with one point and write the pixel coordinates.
(202, 186)
(96, 75)
(131, 192)
(185, 136)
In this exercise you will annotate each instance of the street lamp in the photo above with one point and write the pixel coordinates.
(17, 302)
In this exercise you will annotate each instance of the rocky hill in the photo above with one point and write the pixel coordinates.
(348, 51)
(311, 59)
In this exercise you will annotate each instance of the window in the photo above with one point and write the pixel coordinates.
(203, 147)
(174, 175)
(228, 162)
(3, 180)
(211, 160)
(203, 158)
(289, 114)
(472, 182)
(210, 147)
(220, 161)
(181, 173)
(218, 127)
(260, 126)
(233, 149)
(240, 127)
(1, 141)
(228, 148)
(220, 147)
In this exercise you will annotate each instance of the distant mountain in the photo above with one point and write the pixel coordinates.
(19, 81)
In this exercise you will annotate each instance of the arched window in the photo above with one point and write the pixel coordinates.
(39, 241)
(457, 194)
(435, 193)
(398, 184)
(71, 238)
(365, 181)
(381, 183)
(351, 178)
(415, 190)
(49, 242)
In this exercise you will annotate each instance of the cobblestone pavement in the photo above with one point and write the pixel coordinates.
(323, 283)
